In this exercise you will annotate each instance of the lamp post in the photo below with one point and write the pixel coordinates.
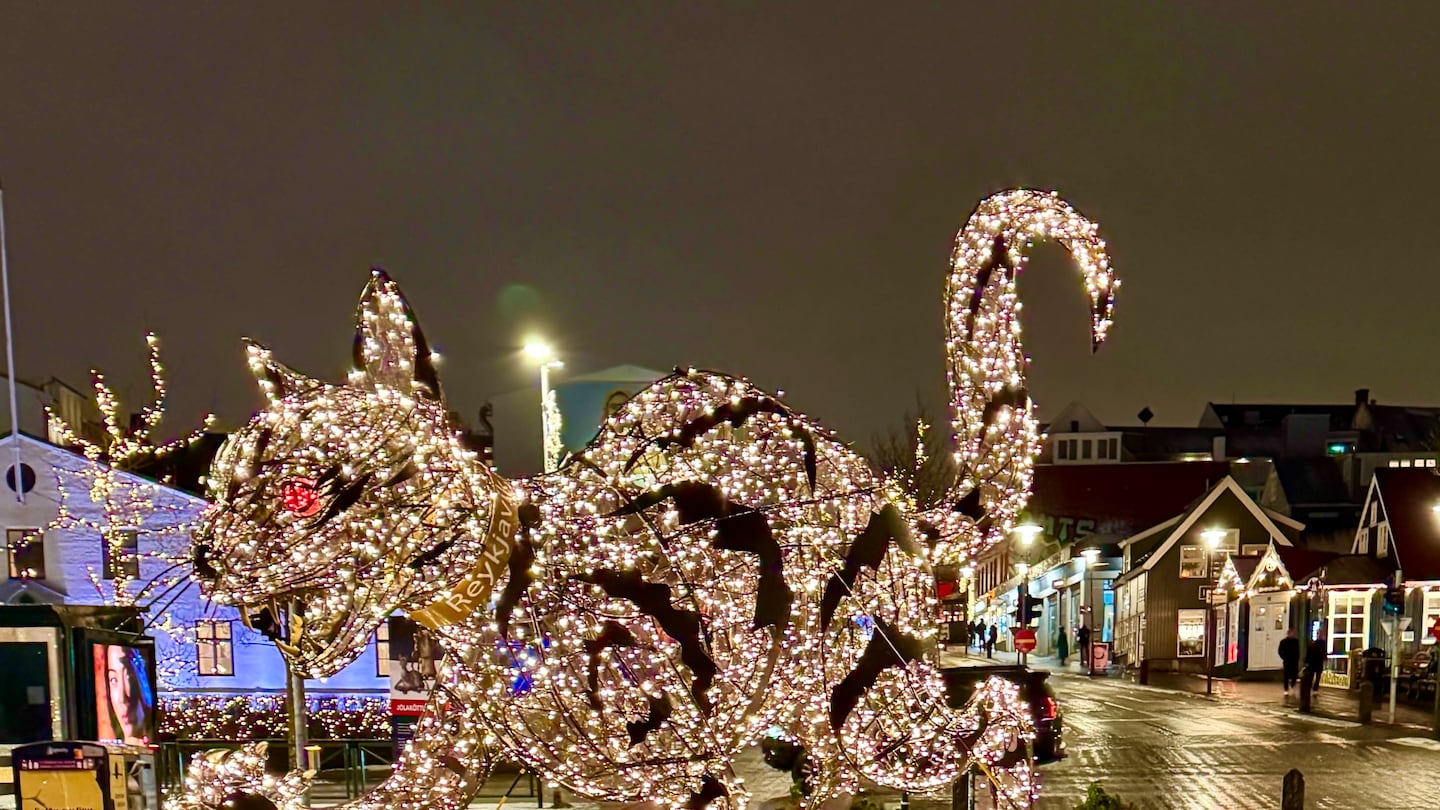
(1026, 533)
(1087, 597)
(1212, 538)
(544, 357)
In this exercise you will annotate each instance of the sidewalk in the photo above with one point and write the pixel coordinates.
(1328, 702)
(1331, 702)
(955, 656)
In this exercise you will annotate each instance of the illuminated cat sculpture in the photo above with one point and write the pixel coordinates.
(711, 566)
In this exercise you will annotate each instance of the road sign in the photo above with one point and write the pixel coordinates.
(1024, 640)
(1435, 629)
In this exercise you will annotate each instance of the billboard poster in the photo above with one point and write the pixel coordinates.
(124, 694)
(414, 666)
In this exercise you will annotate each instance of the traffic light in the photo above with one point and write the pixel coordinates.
(1395, 598)
(1034, 606)
(1028, 609)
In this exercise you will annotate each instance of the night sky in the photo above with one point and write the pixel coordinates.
(763, 190)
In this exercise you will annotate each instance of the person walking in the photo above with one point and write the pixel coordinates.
(979, 635)
(1062, 647)
(1290, 660)
(1315, 653)
(1082, 637)
(990, 642)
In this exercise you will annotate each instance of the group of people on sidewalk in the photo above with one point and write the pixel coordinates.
(1314, 656)
(982, 638)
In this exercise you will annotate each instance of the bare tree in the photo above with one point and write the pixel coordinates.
(916, 455)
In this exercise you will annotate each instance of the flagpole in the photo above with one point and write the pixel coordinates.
(10, 354)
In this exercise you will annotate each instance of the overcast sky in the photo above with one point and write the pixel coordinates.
(767, 189)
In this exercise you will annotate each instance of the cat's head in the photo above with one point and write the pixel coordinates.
(338, 504)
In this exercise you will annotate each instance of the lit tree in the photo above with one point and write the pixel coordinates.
(915, 457)
(129, 507)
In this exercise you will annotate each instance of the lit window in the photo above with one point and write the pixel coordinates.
(382, 649)
(1382, 540)
(1349, 626)
(1430, 462)
(216, 653)
(26, 548)
(1192, 562)
(121, 555)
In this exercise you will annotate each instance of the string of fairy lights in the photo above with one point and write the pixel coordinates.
(130, 508)
(712, 566)
(260, 717)
(997, 437)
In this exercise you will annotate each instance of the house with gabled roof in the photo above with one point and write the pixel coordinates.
(1163, 597)
(1400, 529)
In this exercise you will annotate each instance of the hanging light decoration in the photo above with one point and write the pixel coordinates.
(712, 566)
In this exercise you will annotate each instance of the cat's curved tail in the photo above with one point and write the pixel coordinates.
(996, 436)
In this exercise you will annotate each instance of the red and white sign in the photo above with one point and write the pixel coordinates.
(1024, 640)
(1435, 629)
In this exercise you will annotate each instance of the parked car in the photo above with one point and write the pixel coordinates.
(1035, 690)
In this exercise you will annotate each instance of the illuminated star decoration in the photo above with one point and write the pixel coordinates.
(711, 566)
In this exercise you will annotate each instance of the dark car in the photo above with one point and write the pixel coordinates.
(1035, 689)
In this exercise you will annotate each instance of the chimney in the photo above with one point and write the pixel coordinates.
(1362, 396)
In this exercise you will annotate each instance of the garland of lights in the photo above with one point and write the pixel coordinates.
(127, 504)
(712, 566)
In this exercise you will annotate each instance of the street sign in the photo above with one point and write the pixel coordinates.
(1435, 629)
(1024, 640)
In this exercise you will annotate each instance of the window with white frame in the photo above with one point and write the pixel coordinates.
(120, 555)
(216, 653)
(1382, 540)
(1349, 625)
(26, 550)
(382, 649)
(1432, 614)
(1192, 562)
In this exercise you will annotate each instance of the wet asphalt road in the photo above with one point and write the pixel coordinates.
(1159, 749)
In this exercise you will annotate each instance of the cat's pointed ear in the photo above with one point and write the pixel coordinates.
(277, 381)
(390, 349)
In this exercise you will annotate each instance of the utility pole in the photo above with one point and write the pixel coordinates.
(1395, 644)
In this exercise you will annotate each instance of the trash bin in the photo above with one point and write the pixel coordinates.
(1372, 668)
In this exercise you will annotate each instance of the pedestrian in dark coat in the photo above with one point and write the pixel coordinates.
(990, 642)
(979, 635)
(1062, 648)
(1290, 660)
(1082, 638)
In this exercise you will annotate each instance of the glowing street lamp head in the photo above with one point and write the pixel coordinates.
(1090, 555)
(540, 351)
(1212, 537)
(1023, 568)
(1027, 532)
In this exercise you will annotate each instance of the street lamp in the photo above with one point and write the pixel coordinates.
(1027, 532)
(1088, 558)
(1212, 538)
(543, 356)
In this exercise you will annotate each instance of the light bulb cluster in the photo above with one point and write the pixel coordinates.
(997, 437)
(216, 779)
(259, 717)
(711, 566)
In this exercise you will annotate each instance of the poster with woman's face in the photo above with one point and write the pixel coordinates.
(124, 700)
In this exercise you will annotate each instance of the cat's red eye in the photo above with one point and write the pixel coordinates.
(300, 497)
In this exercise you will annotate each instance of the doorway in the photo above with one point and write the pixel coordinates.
(1269, 620)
